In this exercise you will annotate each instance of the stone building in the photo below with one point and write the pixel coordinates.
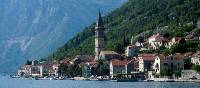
(195, 59)
(99, 37)
(109, 55)
(119, 67)
(146, 62)
(173, 62)
(132, 51)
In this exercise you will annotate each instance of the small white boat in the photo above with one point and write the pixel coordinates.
(45, 78)
(163, 80)
(15, 76)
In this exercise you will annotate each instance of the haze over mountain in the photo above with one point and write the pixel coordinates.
(35, 28)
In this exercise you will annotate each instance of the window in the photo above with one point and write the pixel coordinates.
(172, 65)
(165, 64)
(157, 66)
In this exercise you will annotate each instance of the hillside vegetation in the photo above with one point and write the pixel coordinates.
(134, 17)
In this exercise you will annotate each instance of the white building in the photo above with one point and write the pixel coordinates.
(195, 59)
(146, 62)
(56, 68)
(118, 67)
(30, 70)
(173, 62)
(157, 40)
(174, 40)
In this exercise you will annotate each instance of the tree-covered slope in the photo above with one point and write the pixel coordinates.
(134, 17)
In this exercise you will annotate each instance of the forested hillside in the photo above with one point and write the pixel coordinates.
(31, 29)
(134, 17)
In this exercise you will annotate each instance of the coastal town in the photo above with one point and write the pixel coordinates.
(154, 58)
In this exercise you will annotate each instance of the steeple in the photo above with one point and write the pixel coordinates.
(99, 22)
(99, 36)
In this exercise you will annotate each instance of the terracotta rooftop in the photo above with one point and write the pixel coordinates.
(162, 39)
(83, 58)
(116, 62)
(154, 36)
(178, 38)
(197, 53)
(188, 54)
(189, 36)
(147, 57)
(65, 61)
(179, 56)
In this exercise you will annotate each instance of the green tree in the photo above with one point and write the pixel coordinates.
(140, 39)
(187, 63)
(163, 72)
(28, 62)
(177, 73)
(63, 70)
(167, 51)
(178, 48)
(102, 68)
(133, 18)
(198, 47)
(70, 70)
(196, 67)
(166, 72)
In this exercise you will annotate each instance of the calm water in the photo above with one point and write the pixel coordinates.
(22, 83)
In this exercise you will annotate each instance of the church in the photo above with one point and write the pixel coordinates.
(99, 37)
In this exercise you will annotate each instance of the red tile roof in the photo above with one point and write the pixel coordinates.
(188, 54)
(178, 38)
(65, 61)
(154, 36)
(161, 39)
(116, 62)
(147, 57)
(189, 36)
(179, 56)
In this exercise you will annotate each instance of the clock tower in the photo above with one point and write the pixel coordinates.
(99, 37)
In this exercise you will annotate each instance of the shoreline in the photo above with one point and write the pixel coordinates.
(111, 80)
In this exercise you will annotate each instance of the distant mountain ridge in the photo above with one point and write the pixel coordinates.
(35, 28)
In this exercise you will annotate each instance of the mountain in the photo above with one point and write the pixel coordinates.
(35, 28)
(133, 18)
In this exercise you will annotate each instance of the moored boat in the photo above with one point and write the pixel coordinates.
(125, 80)
(163, 80)
(14, 76)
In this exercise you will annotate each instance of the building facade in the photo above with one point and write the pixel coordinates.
(172, 62)
(30, 70)
(132, 51)
(146, 62)
(109, 55)
(118, 67)
(195, 59)
(175, 40)
(157, 40)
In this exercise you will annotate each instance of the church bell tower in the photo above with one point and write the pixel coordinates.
(99, 37)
